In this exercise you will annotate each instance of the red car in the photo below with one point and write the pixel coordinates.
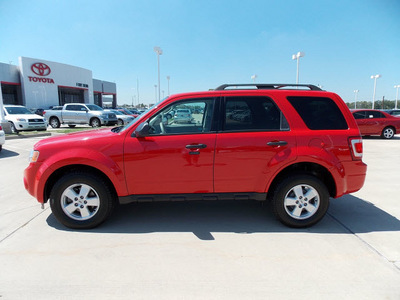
(375, 122)
(295, 147)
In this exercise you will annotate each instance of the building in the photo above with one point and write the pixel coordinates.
(37, 83)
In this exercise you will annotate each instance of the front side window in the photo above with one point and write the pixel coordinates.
(183, 117)
(251, 113)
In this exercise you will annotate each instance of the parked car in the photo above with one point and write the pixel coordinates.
(39, 111)
(21, 118)
(375, 122)
(2, 138)
(127, 112)
(123, 119)
(299, 148)
(393, 112)
(80, 113)
(183, 116)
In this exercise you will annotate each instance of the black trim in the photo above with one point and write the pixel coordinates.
(192, 197)
(268, 86)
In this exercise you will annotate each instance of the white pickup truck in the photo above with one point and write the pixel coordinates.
(79, 113)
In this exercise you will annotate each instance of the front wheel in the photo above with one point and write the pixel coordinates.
(387, 133)
(81, 200)
(300, 200)
(95, 122)
(13, 128)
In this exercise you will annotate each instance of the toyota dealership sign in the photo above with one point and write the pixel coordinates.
(40, 69)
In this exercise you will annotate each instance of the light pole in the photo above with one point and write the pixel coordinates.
(297, 57)
(355, 98)
(168, 78)
(254, 77)
(397, 95)
(375, 77)
(155, 89)
(159, 52)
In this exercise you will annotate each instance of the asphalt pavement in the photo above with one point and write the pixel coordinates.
(198, 250)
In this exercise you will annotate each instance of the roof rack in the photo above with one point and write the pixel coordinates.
(266, 86)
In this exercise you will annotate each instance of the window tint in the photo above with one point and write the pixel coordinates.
(184, 117)
(375, 114)
(359, 115)
(319, 113)
(75, 107)
(253, 113)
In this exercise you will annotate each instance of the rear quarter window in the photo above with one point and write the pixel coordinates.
(319, 113)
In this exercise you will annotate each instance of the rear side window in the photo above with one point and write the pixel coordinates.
(254, 114)
(319, 113)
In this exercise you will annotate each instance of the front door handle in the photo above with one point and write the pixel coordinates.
(277, 143)
(198, 146)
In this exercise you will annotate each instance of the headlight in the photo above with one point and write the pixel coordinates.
(33, 156)
(21, 120)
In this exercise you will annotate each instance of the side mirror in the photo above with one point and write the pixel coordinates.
(142, 130)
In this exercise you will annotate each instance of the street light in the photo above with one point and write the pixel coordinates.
(375, 77)
(155, 89)
(297, 57)
(254, 77)
(355, 98)
(397, 95)
(159, 52)
(168, 78)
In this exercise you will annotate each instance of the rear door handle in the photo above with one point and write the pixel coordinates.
(277, 143)
(198, 146)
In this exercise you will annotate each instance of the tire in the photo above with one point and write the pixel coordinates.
(95, 122)
(387, 133)
(120, 122)
(54, 122)
(71, 126)
(293, 205)
(1, 147)
(13, 128)
(81, 200)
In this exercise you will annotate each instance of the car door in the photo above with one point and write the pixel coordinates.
(174, 158)
(254, 142)
(371, 123)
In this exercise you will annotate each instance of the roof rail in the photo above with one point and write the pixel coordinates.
(263, 86)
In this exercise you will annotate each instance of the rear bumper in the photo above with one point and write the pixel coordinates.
(353, 177)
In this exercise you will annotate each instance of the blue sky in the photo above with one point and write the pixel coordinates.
(208, 43)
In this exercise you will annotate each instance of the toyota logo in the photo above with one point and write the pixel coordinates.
(40, 69)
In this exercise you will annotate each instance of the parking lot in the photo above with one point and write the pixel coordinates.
(197, 250)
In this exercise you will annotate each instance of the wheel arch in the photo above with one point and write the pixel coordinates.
(308, 168)
(55, 176)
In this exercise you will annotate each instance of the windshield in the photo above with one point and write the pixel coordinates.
(140, 117)
(18, 110)
(117, 112)
(93, 107)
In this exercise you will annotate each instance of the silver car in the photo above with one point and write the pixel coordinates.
(183, 115)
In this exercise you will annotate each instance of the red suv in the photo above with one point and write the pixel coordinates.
(294, 145)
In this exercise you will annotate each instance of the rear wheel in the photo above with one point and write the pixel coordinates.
(54, 122)
(387, 133)
(300, 200)
(81, 200)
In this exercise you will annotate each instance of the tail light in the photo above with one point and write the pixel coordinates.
(44, 112)
(356, 147)
(1, 128)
